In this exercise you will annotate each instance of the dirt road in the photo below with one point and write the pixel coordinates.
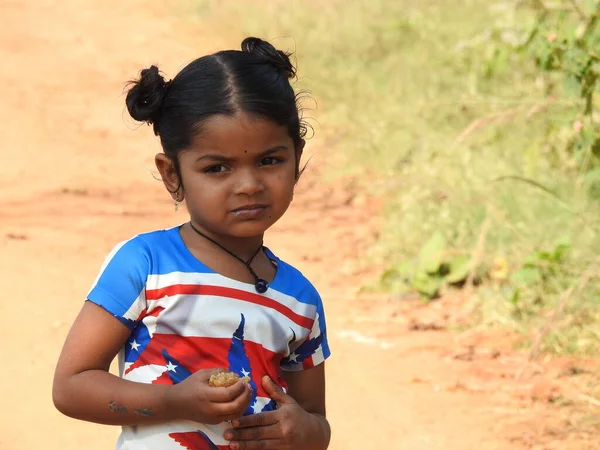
(77, 178)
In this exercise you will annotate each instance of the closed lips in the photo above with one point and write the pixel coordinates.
(249, 208)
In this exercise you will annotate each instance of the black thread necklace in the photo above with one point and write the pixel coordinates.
(260, 285)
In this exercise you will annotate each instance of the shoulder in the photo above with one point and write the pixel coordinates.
(154, 239)
(143, 247)
(294, 283)
(147, 242)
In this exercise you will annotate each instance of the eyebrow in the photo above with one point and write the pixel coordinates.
(221, 158)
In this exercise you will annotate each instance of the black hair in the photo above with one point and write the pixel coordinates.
(255, 80)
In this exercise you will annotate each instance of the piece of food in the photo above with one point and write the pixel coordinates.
(226, 379)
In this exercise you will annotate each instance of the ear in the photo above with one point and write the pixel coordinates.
(169, 176)
(299, 149)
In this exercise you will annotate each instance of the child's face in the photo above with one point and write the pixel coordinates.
(239, 175)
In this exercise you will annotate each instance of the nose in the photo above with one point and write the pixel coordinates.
(248, 182)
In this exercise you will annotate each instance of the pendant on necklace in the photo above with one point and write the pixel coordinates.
(261, 286)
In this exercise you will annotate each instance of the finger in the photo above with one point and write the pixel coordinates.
(268, 444)
(227, 394)
(254, 433)
(257, 420)
(234, 409)
(275, 392)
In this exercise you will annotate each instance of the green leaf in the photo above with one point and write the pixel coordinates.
(560, 251)
(394, 281)
(591, 181)
(390, 276)
(402, 270)
(532, 260)
(539, 256)
(589, 6)
(460, 267)
(593, 176)
(427, 285)
(406, 270)
(430, 256)
(399, 287)
(515, 298)
(571, 86)
(526, 276)
(545, 58)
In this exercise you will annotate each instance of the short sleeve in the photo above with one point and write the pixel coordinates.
(314, 350)
(120, 285)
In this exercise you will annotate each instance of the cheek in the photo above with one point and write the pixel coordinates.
(284, 184)
(202, 191)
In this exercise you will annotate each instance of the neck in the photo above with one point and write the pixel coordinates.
(243, 247)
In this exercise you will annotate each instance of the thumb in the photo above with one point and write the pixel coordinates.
(275, 392)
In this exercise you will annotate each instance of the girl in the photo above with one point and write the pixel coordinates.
(182, 304)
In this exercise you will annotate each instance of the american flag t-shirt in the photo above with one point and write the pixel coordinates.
(185, 317)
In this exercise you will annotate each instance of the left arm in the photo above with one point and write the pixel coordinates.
(299, 422)
(307, 387)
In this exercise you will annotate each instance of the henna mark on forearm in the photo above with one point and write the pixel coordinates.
(116, 408)
(147, 412)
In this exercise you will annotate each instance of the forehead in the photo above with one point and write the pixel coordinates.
(239, 133)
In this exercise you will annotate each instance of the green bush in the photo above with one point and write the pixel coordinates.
(476, 120)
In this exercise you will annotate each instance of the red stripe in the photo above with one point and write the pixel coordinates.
(221, 291)
(154, 313)
(308, 363)
(163, 379)
(142, 315)
(195, 353)
(195, 441)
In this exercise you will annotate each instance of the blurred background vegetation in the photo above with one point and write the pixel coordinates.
(477, 121)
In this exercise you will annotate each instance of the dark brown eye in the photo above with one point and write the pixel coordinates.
(269, 161)
(218, 168)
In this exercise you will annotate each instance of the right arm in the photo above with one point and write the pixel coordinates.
(84, 389)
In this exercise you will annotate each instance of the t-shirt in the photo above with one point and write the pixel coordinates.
(185, 317)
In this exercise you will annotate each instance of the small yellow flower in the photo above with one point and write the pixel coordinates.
(499, 270)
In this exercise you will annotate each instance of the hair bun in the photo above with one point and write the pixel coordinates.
(279, 59)
(144, 98)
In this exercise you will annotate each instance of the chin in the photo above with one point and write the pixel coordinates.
(249, 229)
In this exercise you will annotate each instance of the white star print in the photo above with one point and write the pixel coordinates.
(134, 345)
(293, 357)
(171, 367)
(245, 373)
(256, 407)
